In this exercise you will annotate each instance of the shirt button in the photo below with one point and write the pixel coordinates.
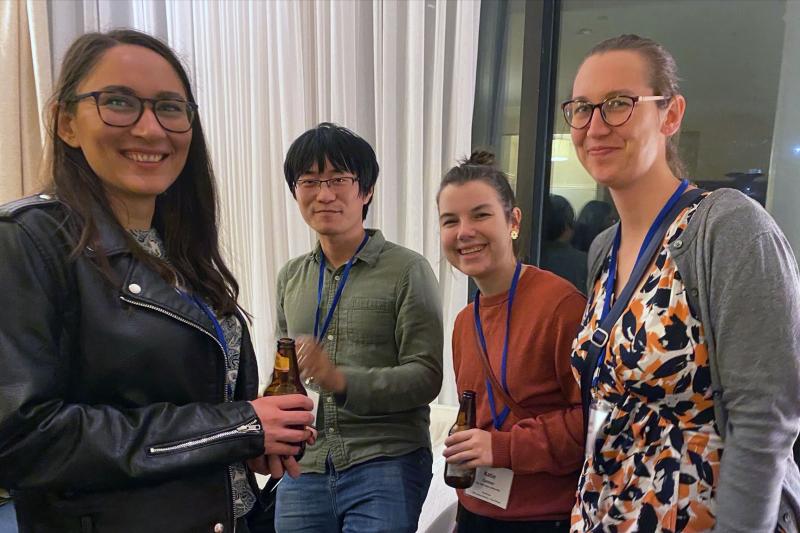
(329, 399)
(219, 528)
(336, 278)
(678, 244)
(330, 337)
(134, 288)
(331, 430)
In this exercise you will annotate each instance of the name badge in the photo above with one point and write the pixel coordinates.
(599, 412)
(314, 395)
(492, 485)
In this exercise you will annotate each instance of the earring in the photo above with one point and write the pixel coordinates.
(514, 234)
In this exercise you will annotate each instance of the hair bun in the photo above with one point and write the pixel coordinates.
(480, 157)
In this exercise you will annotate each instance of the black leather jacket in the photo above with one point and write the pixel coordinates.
(113, 416)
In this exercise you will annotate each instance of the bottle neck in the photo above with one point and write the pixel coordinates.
(466, 411)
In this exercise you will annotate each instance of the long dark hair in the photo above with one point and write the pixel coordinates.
(185, 215)
(663, 79)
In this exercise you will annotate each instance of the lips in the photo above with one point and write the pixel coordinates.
(144, 157)
(471, 250)
(601, 150)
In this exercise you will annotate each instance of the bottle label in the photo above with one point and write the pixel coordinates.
(281, 362)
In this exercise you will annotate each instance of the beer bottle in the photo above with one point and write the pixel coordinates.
(286, 378)
(456, 475)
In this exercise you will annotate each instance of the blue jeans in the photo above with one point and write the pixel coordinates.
(8, 518)
(383, 495)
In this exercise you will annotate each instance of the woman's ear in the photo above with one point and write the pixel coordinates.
(674, 115)
(67, 127)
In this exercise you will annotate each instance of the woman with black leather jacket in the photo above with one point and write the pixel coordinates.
(128, 383)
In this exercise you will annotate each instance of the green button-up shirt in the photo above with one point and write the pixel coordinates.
(386, 336)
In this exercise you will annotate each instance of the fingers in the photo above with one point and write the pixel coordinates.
(463, 457)
(290, 466)
(287, 435)
(275, 466)
(313, 438)
(290, 402)
(456, 438)
(280, 448)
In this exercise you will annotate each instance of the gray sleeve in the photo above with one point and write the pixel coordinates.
(754, 311)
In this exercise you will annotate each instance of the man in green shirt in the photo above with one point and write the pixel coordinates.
(375, 356)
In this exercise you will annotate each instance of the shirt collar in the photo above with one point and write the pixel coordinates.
(369, 253)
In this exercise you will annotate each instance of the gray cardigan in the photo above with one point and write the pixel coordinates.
(743, 282)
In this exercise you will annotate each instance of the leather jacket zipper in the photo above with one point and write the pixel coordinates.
(188, 323)
(251, 427)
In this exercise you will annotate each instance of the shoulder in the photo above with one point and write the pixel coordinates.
(727, 213)
(30, 207)
(547, 290)
(404, 261)
(292, 267)
(42, 216)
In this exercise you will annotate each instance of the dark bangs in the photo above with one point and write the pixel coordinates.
(345, 150)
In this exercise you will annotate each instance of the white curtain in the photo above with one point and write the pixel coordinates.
(399, 73)
(25, 84)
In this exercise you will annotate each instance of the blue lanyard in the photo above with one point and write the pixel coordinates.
(317, 333)
(497, 419)
(219, 334)
(612, 264)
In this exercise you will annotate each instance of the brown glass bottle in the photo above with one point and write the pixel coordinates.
(286, 378)
(455, 475)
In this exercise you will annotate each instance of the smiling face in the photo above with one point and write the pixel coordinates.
(616, 156)
(332, 211)
(475, 230)
(135, 163)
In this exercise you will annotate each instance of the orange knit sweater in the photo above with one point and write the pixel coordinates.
(545, 451)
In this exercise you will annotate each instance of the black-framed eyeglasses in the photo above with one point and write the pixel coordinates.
(122, 110)
(614, 110)
(340, 183)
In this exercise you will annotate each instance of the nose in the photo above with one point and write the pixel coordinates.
(597, 126)
(465, 231)
(325, 193)
(148, 126)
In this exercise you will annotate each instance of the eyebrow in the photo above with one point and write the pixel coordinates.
(476, 208)
(609, 94)
(159, 95)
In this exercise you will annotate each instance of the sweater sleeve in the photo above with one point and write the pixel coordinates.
(551, 442)
(754, 307)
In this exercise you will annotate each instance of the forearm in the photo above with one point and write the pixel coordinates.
(57, 445)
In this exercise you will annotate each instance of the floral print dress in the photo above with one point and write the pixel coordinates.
(655, 463)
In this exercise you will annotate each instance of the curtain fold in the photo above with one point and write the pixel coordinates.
(25, 83)
(399, 73)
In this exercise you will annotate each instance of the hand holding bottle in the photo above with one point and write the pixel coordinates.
(280, 417)
(471, 448)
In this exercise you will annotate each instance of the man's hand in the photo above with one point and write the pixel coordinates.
(316, 366)
(471, 448)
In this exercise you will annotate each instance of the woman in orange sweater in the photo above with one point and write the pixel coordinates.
(529, 432)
